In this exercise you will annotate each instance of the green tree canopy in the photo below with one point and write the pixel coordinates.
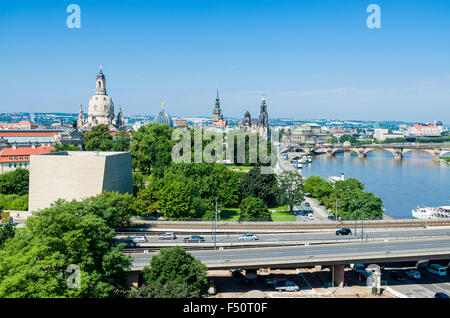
(98, 139)
(151, 148)
(15, 182)
(291, 189)
(254, 209)
(7, 231)
(256, 184)
(175, 268)
(79, 233)
(175, 201)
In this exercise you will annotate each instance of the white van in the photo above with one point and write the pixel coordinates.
(437, 269)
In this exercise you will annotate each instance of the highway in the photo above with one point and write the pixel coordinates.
(314, 236)
(320, 254)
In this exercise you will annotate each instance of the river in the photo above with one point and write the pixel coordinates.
(401, 184)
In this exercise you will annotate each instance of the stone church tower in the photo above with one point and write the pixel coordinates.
(100, 109)
(101, 106)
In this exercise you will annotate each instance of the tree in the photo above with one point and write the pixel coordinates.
(256, 184)
(167, 290)
(291, 189)
(207, 181)
(7, 231)
(121, 142)
(98, 139)
(151, 148)
(318, 187)
(175, 201)
(66, 147)
(35, 264)
(15, 182)
(14, 202)
(177, 269)
(254, 209)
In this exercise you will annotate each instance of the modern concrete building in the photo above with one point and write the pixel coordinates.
(77, 175)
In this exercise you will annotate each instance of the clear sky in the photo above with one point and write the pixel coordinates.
(311, 59)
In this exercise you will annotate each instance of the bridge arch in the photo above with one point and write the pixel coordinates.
(393, 151)
(418, 150)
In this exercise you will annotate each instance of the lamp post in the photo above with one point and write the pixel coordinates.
(362, 224)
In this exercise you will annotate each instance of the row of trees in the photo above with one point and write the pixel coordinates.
(345, 198)
(189, 190)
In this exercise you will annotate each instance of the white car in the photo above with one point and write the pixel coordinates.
(248, 237)
(168, 236)
(311, 216)
(140, 239)
(413, 273)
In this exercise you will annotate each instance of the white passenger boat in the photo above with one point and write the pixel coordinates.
(441, 212)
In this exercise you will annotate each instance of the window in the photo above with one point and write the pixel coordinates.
(10, 165)
(15, 165)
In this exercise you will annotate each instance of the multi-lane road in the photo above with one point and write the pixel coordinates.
(361, 252)
(303, 237)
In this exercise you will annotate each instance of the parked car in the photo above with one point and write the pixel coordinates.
(398, 276)
(248, 237)
(311, 216)
(275, 280)
(344, 231)
(437, 269)
(288, 286)
(413, 273)
(194, 238)
(440, 295)
(139, 239)
(168, 236)
(236, 272)
(307, 204)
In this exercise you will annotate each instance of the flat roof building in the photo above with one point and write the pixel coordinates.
(76, 175)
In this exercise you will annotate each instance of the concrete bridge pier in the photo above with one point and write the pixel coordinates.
(398, 155)
(338, 275)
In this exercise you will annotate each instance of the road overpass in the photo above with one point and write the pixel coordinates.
(336, 255)
(398, 150)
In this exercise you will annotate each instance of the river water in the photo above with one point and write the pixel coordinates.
(401, 184)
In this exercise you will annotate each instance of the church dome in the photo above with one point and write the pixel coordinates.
(163, 117)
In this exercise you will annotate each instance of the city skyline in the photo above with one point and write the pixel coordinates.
(326, 64)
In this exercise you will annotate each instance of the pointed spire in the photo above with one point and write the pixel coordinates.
(101, 68)
(162, 105)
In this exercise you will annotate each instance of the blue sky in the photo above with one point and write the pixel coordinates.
(311, 59)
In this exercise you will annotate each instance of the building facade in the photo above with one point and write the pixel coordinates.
(77, 175)
(12, 158)
(261, 125)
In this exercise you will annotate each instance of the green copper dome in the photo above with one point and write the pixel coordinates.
(163, 117)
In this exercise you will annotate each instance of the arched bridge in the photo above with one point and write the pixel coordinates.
(398, 150)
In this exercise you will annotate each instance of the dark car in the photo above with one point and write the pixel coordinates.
(236, 273)
(194, 238)
(440, 295)
(344, 231)
(398, 276)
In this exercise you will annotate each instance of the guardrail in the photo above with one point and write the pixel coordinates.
(292, 225)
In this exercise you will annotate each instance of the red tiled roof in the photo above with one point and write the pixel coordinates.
(23, 151)
(18, 133)
(113, 133)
